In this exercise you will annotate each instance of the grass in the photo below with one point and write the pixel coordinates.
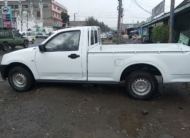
(114, 39)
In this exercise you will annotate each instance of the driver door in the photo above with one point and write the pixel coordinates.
(61, 59)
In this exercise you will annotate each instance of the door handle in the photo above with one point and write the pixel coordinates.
(73, 56)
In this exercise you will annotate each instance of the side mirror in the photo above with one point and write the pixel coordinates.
(42, 48)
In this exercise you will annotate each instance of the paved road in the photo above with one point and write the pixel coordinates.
(92, 111)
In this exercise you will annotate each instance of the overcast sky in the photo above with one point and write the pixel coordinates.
(106, 10)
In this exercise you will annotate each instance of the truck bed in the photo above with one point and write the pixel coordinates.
(141, 48)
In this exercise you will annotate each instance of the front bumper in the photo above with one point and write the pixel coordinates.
(3, 71)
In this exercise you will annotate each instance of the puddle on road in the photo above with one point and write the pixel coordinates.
(131, 123)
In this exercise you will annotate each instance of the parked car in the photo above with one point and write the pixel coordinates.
(110, 36)
(41, 35)
(103, 36)
(11, 38)
(76, 56)
(29, 35)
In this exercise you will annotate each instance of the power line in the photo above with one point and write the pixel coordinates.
(135, 2)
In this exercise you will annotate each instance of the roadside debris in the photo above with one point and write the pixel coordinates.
(1, 100)
(144, 112)
(98, 109)
(180, 108)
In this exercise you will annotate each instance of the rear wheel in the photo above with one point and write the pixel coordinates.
(5, 47)
(20, 79)
(33, 41)
(26, 44)
(141, 85)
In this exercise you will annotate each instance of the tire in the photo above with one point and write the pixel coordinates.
(5, 47)
(20, 79)
(25, 44)
(13, 47)
(141, 85)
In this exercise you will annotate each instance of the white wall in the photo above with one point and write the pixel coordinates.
(33, 25)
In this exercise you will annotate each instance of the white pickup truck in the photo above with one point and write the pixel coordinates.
(76, 55)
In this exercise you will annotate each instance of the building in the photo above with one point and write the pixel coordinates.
(50, 14)
(181, 21)
(56, 14)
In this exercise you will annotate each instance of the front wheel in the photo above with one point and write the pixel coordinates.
(26, 44)
(141, 85)
(20, 79)
(5, 47)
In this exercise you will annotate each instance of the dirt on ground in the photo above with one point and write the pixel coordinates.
(93, 111)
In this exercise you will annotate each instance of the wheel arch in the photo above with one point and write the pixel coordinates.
(11, 65)
(155, 70)
(5, 42)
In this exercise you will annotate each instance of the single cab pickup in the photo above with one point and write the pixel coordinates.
(76, 55)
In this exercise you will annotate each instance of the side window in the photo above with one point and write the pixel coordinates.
(23, 34)
(88, 38)
(92, 37)
(16, 34)
(68, 41)
(96, 37)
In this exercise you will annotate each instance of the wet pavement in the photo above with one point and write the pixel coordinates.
(93, 111)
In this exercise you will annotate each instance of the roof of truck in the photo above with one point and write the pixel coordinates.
(75, 28)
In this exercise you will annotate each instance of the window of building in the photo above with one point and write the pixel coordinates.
(54, 7)
(53, 14)
(58, 9)
(16, 6)
(11, 6)
(25, 6)
(38, 14)
(45, 6)
(35, 6)
(59, 16)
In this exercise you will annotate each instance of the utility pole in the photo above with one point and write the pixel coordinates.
(171, 21)
(74, 19)
(119, 21)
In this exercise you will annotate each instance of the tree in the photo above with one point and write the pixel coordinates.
(65, 17)
(160, 33)
(91, 21)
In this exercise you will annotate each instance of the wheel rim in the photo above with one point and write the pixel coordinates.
(141, 87)
(19, 80)
(6, 47)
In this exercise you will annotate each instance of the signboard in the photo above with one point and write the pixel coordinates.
(14, 25)
(183, 39)
(6, 24)
(158, 9)
(6, 16)
(6, 9)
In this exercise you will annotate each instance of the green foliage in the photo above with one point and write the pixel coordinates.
(91, 21)
(114, 39)
(65, 17)
(160, 33)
